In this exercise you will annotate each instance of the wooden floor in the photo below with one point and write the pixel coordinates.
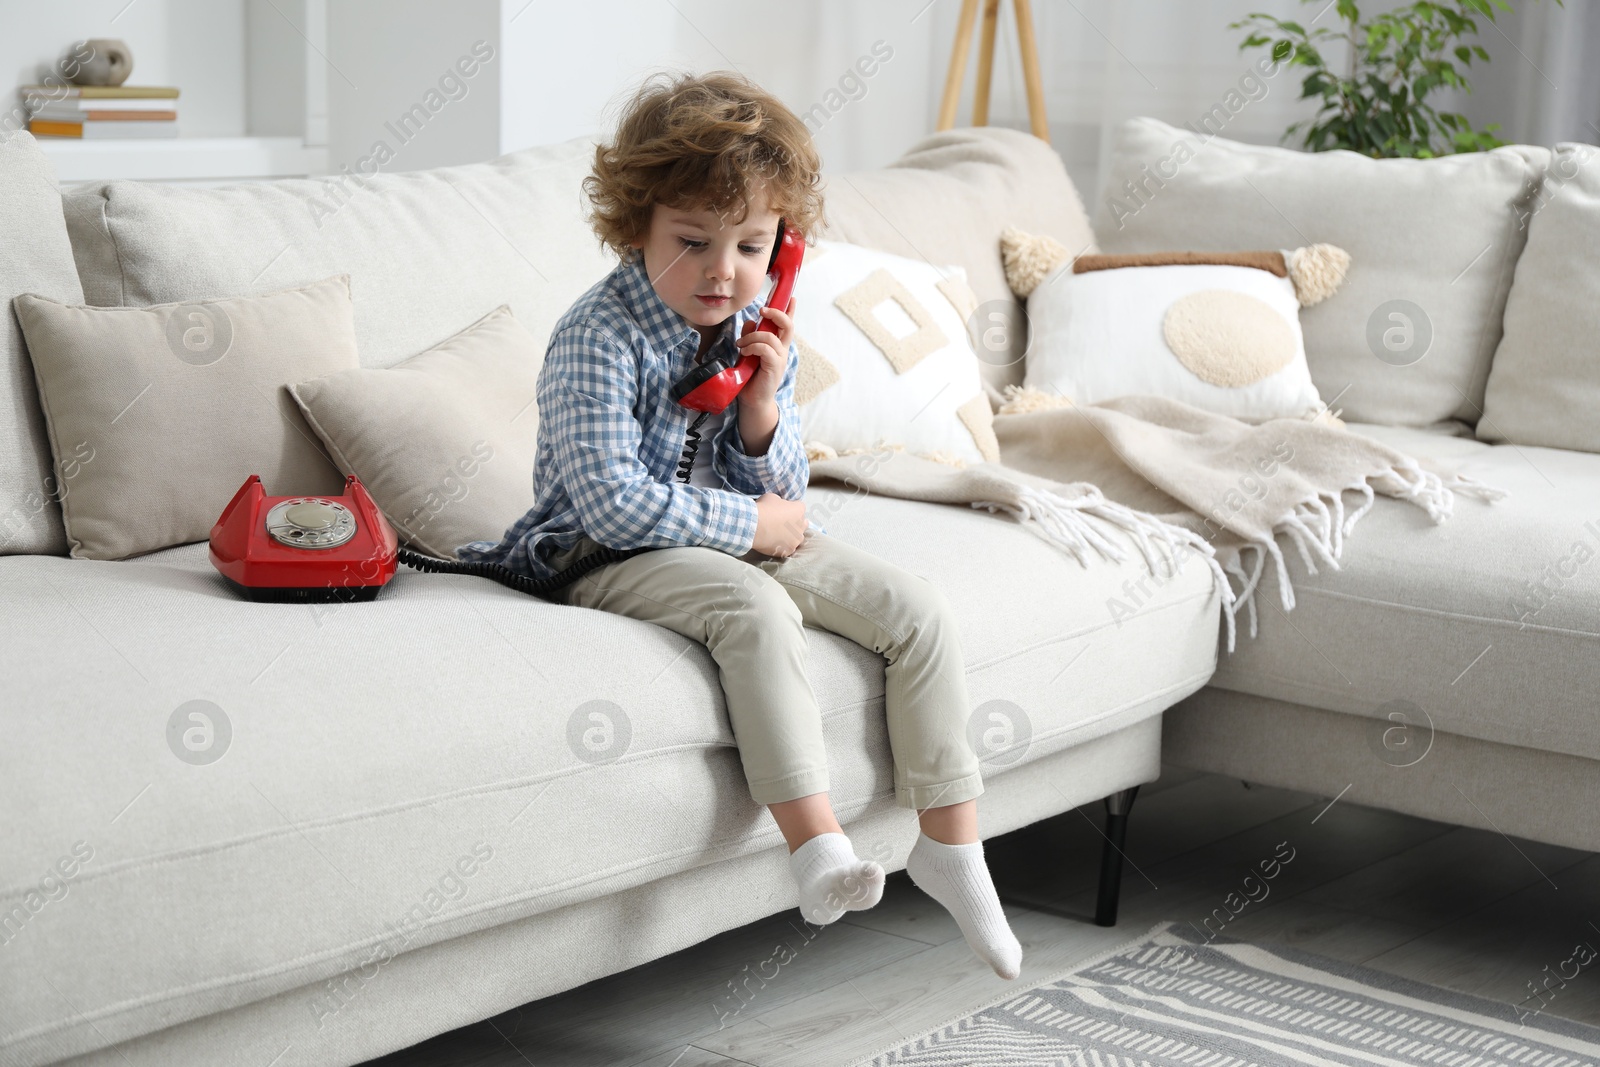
(1466, 909)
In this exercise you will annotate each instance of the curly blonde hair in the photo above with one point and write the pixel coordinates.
(702, 141)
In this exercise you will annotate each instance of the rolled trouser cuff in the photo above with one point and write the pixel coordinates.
(938, 796)
(790, 786)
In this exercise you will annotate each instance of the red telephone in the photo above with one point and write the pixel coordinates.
(304, 549)
(712, 386)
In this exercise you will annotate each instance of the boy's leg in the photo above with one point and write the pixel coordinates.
(905, 618)
(755, 633)
(752, 629)
(909, 621)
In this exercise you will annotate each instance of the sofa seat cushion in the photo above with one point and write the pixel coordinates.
(1464, 620)
(252, 797)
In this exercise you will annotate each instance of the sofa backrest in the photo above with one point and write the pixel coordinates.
(37, 258)
(947, 200)
(1544, 385)
(1433, 245)
(428, 252)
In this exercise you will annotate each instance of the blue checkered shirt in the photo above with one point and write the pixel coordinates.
(611, 436)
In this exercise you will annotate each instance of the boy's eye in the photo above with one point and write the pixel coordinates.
(692, 245)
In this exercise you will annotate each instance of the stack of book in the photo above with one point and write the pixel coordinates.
(99, 111)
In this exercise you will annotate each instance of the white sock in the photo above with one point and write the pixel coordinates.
(832, 879)
(957, 877)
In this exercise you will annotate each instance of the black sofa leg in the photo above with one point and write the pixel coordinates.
(1117, 807)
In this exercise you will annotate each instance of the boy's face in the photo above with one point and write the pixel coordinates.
(705, 267)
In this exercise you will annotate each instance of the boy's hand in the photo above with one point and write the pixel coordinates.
(774, 353)
(780, 525)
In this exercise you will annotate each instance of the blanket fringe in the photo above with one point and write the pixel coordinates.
(1318, 526)
(1432, 493)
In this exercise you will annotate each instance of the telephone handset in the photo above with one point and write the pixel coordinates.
(712, 386)
(315, 549)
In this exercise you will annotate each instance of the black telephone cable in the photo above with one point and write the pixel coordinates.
(690, 447)
(523, 583)
(542, 587)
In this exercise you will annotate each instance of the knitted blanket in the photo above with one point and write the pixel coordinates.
(1183, 483)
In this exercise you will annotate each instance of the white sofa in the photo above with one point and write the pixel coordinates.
(239, 911)
(398, 839)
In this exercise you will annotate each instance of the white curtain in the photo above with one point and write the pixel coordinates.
(1543, 82)
(1105, 61)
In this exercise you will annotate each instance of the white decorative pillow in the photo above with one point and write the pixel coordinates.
(1219, 331)
(885, 358)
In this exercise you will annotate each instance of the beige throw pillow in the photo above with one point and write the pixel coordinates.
(445, 442)
(158, 414)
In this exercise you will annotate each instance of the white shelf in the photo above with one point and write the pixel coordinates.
(183, 158)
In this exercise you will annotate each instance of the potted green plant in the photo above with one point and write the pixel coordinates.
(1379, 105)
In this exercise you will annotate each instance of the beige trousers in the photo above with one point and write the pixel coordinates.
(750, 612)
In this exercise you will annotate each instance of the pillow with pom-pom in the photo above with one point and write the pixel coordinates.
(886, 360)
(1220, 331)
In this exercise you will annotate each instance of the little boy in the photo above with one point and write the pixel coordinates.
(690, 195)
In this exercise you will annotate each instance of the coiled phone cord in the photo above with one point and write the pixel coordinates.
(542, 587)
(690, 447)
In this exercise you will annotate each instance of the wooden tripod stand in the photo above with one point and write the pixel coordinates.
(980, 91)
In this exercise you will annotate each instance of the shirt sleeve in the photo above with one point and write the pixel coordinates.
(588, 388)
(783, 468)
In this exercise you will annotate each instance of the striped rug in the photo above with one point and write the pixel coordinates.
(1173, 998)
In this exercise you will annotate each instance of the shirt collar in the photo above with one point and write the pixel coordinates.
(664, 328)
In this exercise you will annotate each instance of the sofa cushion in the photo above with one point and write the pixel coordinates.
(1466, 620)
(161, 413)
(946, 201)
(1432, 243)
(1222, 337)
(37, 259)
(271, 795)
(426, 251)
(1544, 387)
(444, 442)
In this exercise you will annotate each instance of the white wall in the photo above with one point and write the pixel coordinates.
(574, 65)
(393, 59)
(275, 69)
(197, 45)
(562, 71)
